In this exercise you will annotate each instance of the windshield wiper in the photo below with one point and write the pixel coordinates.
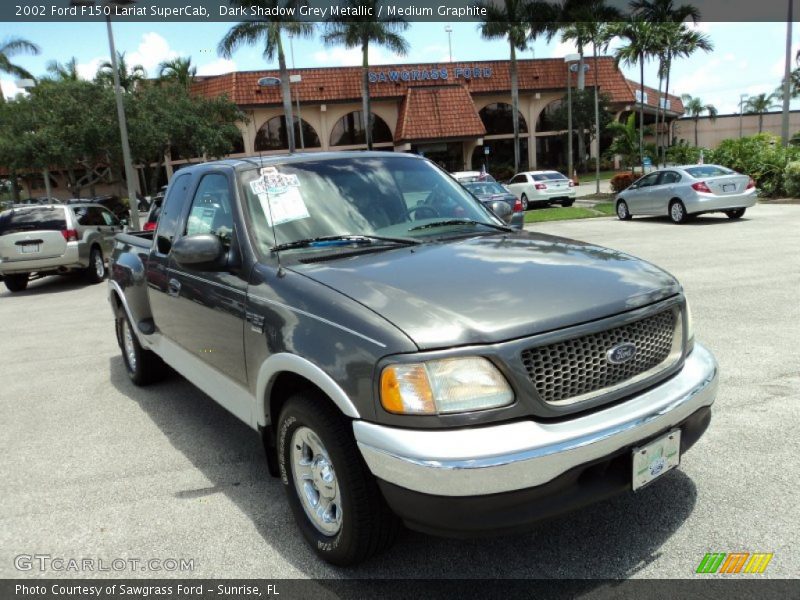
(342, 240)
(459, 222)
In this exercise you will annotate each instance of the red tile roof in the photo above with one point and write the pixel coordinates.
(438, 112)
(341, 84)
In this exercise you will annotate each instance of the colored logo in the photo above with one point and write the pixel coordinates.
(621, 353)
(736, 562)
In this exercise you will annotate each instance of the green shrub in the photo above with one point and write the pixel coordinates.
(791, 179)
(684, 154)
(761, 156)
(621, 180)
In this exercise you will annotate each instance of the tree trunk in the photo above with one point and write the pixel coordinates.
(515, 105)
(596, 120)
(641, 110)
(287, 95)
(581, 74)
(666, 96)
(3, 100)
(14, 186)
(365, 108)
(696, 120)
(760, 122)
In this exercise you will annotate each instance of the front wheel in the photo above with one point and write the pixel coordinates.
(623, 214)
(677, 212)
(567, 203)
(334, 498)
(96, 271)
(736, 213)
(16, 283)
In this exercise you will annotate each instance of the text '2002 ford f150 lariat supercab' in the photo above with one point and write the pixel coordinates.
(405, 356)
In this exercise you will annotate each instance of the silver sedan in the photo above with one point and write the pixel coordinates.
(681, 192)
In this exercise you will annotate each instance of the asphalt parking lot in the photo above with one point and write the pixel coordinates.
(94, 467)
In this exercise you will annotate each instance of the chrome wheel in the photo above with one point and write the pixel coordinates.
(315, 481)
(622, 211)
(676, 212)
(99, 266)
(128, 344)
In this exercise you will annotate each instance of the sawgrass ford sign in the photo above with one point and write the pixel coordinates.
(430, 74)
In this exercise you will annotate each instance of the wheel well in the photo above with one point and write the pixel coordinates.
(673, 200)
(285, 385)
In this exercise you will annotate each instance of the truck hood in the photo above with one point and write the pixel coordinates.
(492, 288)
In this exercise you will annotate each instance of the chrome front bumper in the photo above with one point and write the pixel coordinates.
(514, 456)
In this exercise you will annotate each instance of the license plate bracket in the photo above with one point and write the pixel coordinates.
(655, 458)
(28, 248)
(729, 187)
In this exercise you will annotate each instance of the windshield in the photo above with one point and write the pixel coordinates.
(485, 189)
(379, 196)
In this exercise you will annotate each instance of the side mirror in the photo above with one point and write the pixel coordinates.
(501, 209)
(203, 252)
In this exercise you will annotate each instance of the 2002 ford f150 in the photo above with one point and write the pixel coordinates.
(405, 355)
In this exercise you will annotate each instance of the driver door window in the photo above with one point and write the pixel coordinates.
(211, 209)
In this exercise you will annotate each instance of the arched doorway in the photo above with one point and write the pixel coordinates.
(349, 130)
(272, 136)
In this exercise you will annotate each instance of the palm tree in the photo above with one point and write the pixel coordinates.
(694, 108)
(678, 41)
(627, 139)
(270, 33)
(9, 48)
(178, 70)
(642, 43)
(67, 71)
(518, 21)
(360, 32)
(590, 19)
(759, 105)
(129, 75)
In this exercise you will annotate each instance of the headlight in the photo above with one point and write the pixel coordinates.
(689, 325)
(444, 386)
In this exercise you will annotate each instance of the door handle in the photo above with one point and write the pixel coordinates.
(174, 287)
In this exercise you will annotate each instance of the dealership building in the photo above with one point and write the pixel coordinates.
(457, 114)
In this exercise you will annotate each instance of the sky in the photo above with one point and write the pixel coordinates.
(748, 58)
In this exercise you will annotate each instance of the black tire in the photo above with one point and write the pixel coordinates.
(96, 271)
(567, 203)
(736, 213)
(623, 212)
(524, 200)
(677, 212)
(361, 523)
(143, 366)
(16, 283)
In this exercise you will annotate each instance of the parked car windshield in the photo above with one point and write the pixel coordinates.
(485, 189)
(708, 171)
(32, 219)
(382, 196)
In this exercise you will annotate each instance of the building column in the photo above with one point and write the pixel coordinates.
(468, 147)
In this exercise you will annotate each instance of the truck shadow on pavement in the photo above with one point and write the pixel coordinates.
(612, 539)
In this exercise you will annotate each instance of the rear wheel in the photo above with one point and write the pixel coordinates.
(524, 201)
(96, 271)
(567, 203)
(737, 213)
(677, 212)
(623, 214)
(143, 366)
(333, 496)
(16, 283)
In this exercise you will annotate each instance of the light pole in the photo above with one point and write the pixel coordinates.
(569, 59)
(449, 31)
(742, 98)
(130, 174)
(29, 84)
(298, 79)
(787, 74)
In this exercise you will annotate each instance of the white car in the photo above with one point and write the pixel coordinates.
(542, 188)
(686, 191)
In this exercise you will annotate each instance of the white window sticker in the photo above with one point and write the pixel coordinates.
(283, 207)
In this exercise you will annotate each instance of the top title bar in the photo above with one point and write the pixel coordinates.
(323, 10)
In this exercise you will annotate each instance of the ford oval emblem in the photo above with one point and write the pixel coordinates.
(621, 353)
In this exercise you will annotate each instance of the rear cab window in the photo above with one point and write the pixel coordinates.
(32, 219)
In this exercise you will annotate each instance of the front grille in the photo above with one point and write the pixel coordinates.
(575, 370)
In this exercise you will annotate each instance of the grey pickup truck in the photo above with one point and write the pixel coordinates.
(404, 355)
